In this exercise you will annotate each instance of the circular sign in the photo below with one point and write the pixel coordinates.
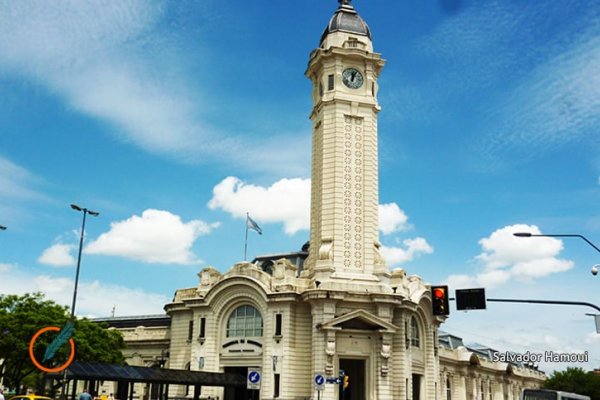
(35, 361)
(319, 380)
(254, 377)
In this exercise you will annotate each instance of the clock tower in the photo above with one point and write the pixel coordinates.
(344, 242)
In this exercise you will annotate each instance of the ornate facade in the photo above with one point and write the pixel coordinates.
(342, 309)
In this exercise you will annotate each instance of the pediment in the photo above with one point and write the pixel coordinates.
(359, 320)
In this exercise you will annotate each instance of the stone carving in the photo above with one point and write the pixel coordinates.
(326, 249)
(386, 353)
(330, 352)
(379, 260)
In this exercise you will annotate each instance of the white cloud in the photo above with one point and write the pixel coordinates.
(94, 299)
(154, 237)
(4, 267)
(506, 257)
(392, 218)
(412, 248)
(18, 188)
(461, 281)
(58, 255)
(116, 63)
(16, 182)
(286, 201)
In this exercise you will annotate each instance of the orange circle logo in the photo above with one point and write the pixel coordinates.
(35, 361)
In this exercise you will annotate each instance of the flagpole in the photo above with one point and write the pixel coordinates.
(246, 241)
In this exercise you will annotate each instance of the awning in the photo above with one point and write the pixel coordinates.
(110, 372)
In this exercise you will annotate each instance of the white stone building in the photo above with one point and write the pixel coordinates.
(342, 308)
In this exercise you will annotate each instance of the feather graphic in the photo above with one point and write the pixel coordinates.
(63, 336)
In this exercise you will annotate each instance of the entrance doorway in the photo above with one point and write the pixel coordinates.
(240, 393)
(355, 370)
(416, 387)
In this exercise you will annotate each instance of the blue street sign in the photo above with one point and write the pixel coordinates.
(253, 379)
(319, 381)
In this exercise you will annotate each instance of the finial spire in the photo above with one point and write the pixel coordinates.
(344, 2)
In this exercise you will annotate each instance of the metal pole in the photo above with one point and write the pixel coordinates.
(78, 264)
(567, 303)
(528, 234)
(569, 235)
(246, 240)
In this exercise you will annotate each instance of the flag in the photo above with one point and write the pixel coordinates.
(253, 225)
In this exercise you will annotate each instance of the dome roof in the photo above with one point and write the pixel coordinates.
(346, 19)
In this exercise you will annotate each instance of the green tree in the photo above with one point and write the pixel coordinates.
(22, 316)
(575, 380)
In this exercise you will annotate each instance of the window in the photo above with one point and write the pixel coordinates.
(190, 330)
(448, 389)
(245, 321)
(276, 389)
(278, 324)
(415, 336)
(330, 82)
(202, 328)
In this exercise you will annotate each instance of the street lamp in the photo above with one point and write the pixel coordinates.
(594, 270)
(529, 234)
(85, 212)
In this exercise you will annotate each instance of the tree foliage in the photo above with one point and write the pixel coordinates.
(575, 380)
(22, 316)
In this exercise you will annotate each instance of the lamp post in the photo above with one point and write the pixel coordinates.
(529, 234)
(85, 212)
(595, 268)
(72, 320)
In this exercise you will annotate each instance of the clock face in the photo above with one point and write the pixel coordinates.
(352, 78)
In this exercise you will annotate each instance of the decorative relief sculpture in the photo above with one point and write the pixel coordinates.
(326, 249)
(386, 353)
(330, 352)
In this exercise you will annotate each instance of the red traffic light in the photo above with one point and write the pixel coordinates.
(440, 300)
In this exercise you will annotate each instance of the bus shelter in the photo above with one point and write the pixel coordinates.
(126, 376)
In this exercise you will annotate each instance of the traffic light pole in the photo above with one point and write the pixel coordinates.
(566, 303)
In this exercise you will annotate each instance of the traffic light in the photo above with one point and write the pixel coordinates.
(346, 381)
(439, 298)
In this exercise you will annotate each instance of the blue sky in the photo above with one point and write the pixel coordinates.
(172, 119)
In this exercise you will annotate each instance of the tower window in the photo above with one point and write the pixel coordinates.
(415, 335)
(330, 82)
(278, 323)
(245, 321)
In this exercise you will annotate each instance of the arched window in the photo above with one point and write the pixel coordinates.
(245, 321)
(448, 389)
(415, 336)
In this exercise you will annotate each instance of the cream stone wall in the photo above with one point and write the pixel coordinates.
(321, 327)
